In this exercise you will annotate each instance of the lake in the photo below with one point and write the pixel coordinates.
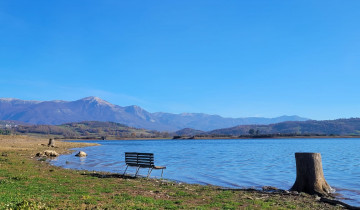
(235, 163)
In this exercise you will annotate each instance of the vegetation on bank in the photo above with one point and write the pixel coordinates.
(87, 130)
(5, 132)
(263, 136)
(29, 183)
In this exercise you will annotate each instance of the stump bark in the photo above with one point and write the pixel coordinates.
(51, 143)
(309, 175)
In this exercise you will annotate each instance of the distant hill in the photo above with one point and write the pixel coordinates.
(327, 127)
(111, 130)
(87, 129)
(188, 132)
(95, 109)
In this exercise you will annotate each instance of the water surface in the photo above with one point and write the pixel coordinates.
(237, 163)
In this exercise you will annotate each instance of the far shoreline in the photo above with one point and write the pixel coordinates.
(212, 138)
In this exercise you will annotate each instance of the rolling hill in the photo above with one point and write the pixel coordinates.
(325, 127)
(96, 129)
(87, 129)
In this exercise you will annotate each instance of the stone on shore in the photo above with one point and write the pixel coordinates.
(81, 154)
(47, 153)
(269, 188)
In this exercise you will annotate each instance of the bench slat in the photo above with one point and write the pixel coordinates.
(141, 160)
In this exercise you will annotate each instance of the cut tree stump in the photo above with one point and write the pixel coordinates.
(309, 175)
(51, 143)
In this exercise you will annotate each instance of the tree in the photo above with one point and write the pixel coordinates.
(251, 131)
(4, 132)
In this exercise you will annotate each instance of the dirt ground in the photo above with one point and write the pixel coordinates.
(32, 145)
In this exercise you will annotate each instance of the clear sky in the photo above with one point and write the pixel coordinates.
(233, 58)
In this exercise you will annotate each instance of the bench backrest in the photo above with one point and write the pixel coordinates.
(145, 160)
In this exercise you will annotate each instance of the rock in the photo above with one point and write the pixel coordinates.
(269, 188)
(47, 153)
(51, 153)
(294, 192)
(81, 154)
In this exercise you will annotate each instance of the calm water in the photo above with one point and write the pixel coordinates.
(239, 163)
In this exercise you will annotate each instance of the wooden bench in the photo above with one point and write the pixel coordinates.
(141, 160)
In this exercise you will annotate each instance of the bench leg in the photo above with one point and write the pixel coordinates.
(137, 171)
(125, 170)
(149, 172)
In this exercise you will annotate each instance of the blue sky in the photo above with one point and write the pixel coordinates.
(232, 58)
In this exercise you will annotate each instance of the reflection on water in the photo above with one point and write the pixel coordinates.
(231, 163)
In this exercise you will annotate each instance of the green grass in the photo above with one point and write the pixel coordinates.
(31, 184)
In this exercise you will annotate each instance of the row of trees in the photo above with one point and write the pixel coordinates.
(253, 132)
(5, 132)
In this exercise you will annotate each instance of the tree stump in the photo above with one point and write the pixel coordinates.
(51, 143)
(309, 175)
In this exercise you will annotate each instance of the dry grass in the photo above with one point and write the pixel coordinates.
(31, 145)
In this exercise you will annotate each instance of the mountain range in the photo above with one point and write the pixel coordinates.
(95, 109)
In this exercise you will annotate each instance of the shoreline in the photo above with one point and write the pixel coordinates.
(287, 137)
(18, 155)
(336, 196)
(213, 138)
